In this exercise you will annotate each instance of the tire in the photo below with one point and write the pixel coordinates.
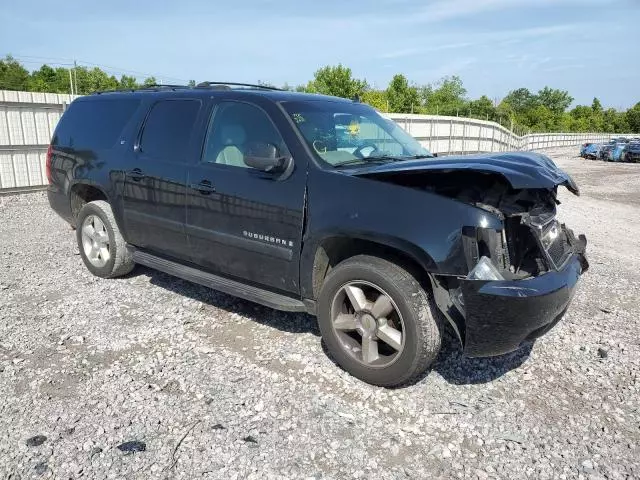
(113, 259)
(413, 315)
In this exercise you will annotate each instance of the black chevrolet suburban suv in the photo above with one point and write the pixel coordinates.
(319, 204)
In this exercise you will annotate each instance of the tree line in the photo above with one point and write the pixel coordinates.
(521, 110)
(85, 80)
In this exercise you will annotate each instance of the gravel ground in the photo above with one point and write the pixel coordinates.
(215, 387)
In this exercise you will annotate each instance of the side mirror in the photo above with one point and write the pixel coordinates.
(265, 157)
(434, 154)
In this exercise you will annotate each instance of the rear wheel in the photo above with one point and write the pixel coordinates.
(377, 321)
(101, 245)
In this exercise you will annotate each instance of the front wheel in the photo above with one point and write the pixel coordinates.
(378, 322)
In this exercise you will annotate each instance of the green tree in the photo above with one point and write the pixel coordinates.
(633, 118)
(376, 98)
(402, 97)
(446, 97)
(43, 80)
(621, 124)
(92, 80)
(149, 81)
(520, 100)
(337, 81)
(582, 119)
(541, 119)
(127, 83)
(13, 76)
(192, 83)
(555, 100)
(608, 119)
(596, 106)
(482, 108)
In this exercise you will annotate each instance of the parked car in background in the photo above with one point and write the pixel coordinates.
(603, 152)
(615, 154)
(583, 149)
(591, 151)
(631, 152)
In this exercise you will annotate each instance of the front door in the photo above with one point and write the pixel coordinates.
(154, 197)
(242, 222)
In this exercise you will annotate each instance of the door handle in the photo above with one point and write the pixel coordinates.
(135, 174)
(203, 187)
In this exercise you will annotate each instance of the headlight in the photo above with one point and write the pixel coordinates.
(485, 270)
(550, 234)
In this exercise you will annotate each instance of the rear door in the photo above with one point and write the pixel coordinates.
(242, 222)
(154, 197)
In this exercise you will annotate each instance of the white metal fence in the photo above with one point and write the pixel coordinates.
(27, 121)
(452, 135)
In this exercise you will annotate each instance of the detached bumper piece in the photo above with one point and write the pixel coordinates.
(500, 315)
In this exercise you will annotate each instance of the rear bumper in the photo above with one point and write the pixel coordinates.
(60, 203)
(500, 315)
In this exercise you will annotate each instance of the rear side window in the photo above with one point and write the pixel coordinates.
(95, 124)
(168, 129)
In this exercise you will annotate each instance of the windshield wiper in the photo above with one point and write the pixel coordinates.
(417, 157)
(354, 161)
(382, 158)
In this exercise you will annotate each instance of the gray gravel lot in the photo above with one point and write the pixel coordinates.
(216, 387)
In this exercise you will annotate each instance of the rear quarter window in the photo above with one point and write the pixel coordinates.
(94, 124)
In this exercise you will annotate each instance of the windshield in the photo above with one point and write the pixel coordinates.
(343, 133)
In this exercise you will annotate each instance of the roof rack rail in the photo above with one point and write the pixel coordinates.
(159, 86)
(156, 87)
(234, 84)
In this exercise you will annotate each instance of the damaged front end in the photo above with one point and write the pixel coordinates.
(521, 278)
(518, 279)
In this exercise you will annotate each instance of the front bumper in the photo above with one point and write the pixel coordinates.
(500, 315)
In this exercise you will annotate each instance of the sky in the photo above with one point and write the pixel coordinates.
(588, 47)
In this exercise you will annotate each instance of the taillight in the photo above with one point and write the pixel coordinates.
(48, 165)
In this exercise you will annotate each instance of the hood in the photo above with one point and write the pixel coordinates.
(520, 169)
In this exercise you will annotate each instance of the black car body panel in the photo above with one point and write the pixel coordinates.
(520, 169)
(272, 230)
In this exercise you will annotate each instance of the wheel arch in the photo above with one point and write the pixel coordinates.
(83, 192)
(321, 256)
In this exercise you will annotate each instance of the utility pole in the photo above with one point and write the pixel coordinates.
(75, 76)
(70, 83)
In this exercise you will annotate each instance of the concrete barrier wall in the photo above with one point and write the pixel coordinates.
(28, 119)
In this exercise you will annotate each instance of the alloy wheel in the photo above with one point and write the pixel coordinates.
(368, 324)
(95, 241)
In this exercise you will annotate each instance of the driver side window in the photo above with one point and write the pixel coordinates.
(233, 128)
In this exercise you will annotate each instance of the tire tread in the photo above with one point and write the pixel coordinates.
(123, 258)
(428, 324)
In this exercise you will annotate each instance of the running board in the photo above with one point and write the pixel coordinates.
(237, 289)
